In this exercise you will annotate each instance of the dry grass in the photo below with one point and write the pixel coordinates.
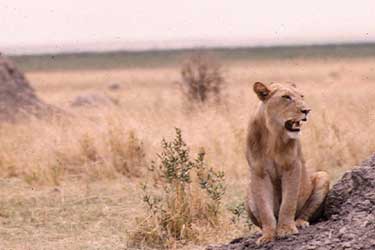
(63, 184)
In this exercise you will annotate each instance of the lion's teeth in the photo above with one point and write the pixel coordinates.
(296, 124)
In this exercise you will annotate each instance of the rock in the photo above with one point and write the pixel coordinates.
(114, 86)
(17, 97)
(93, 100)
(348, 221)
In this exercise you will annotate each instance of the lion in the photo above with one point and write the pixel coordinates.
(282, 194)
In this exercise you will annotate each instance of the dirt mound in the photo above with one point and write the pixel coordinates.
(17, 97)
(348, 223)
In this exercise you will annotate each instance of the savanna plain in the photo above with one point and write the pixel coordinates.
(76, 182)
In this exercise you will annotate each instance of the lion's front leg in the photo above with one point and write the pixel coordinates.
(290, 189)
(262, 194)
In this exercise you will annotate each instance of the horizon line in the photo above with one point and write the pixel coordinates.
(187, 48)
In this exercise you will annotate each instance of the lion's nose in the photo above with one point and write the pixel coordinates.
(305, 111)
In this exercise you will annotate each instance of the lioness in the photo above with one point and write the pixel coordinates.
(282, 194)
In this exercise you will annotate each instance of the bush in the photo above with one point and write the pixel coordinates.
(240, 216)
(202, 79)
(185, 194)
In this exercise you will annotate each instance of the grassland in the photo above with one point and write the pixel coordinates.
(56, 194)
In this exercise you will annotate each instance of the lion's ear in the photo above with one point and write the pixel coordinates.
(262, 90)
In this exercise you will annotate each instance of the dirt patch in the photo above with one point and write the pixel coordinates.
(348, 222)
(17, 97)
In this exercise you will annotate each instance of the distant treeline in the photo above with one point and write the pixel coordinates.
(160, 58)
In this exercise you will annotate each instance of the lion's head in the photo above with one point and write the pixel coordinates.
(284, 108)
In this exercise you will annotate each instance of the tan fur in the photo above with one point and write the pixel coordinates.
(282, 194)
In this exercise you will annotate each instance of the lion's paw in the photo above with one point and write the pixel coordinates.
(265, 238)
(285, 230)
(301, 223)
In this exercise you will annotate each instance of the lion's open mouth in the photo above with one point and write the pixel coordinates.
(293, 126)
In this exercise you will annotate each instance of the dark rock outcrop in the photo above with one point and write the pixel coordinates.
(17, 97)
(348, 221)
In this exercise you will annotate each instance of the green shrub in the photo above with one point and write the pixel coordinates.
(240, 216)
(185, 194)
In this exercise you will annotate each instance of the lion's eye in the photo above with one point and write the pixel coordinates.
(287, 97)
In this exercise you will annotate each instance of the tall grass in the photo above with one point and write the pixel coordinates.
(46, 152)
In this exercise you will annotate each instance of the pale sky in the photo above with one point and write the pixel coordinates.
(41, 25)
